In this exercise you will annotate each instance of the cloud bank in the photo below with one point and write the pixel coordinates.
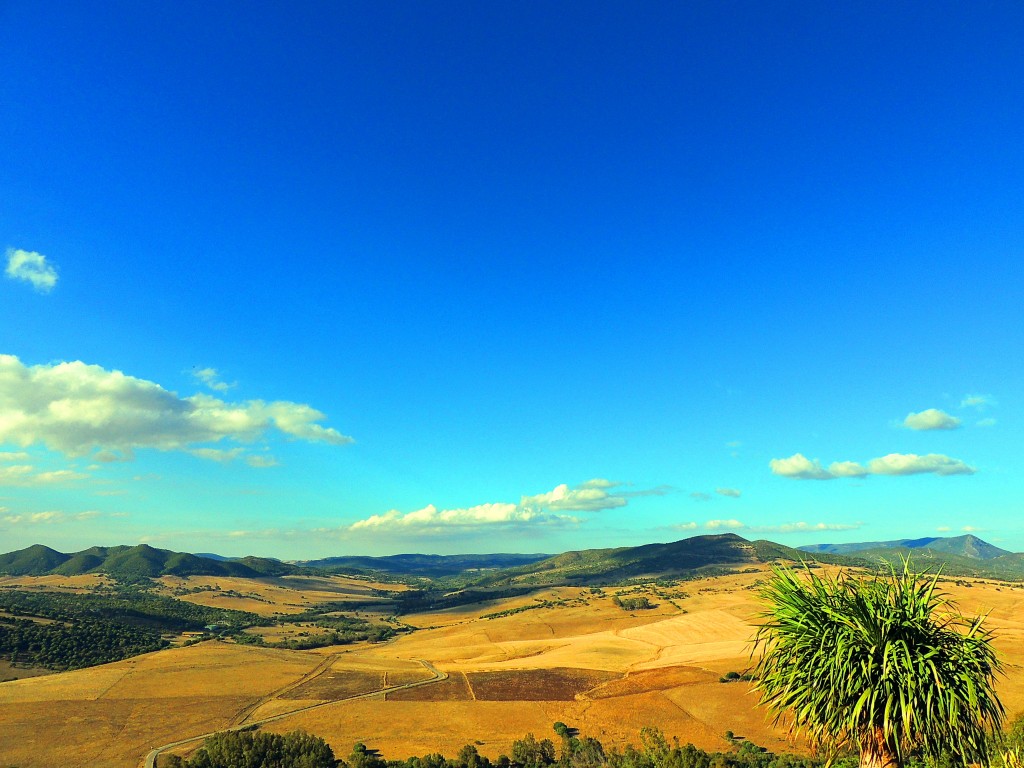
(542, 509)
(74, 408)
(799, 467)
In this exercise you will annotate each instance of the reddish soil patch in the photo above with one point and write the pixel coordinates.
(557, 684)
(455, 688)
(338, 685)
(404, 677)
(652, 680)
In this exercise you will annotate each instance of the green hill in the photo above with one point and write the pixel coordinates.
(686, 557)
(123, 562)
(31, 561)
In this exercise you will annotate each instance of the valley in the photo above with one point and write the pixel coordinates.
(504, 667)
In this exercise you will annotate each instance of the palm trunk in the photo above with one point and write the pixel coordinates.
(875, 753)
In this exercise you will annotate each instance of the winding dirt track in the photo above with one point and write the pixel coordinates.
(150, 759)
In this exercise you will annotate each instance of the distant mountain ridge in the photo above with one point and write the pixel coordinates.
(141, 561)
(957, 556)
(961, 546)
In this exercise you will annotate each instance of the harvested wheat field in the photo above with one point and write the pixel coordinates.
(270, 596)
(575, 657)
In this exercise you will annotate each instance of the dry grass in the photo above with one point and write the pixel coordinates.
(586, 662)
(9, 671)
(87, 581)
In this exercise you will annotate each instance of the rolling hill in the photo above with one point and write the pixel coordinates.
(958, 556)
(142, 561)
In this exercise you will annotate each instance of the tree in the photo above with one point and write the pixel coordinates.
(885, 664)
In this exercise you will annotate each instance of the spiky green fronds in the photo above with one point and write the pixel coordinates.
(886, 663)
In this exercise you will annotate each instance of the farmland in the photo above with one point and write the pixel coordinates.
(510, 667)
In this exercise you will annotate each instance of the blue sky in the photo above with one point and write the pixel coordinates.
(365, 278)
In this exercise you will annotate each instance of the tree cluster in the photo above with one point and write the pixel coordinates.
(84, 643)
(254, 749)
(632, 603)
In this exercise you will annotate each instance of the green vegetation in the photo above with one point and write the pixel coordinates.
(84, 643)
(735, 677)
(587, 752)
(249, 749)
(88, 629)
(134, 564)
(126, 606)
(633, 603)
(343, 629)
(885, 665)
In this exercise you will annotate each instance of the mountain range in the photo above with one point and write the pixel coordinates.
(961, 546)
(142, 561)
(958, 556)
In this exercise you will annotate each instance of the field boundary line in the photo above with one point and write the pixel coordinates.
(149, 761)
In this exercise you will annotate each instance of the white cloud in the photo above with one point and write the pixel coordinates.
(932, 418)
(732, 493)
(583, 498)
(989, 422)
(14, 456)
(228, 455)
(211, 378)
(798, 467)
(846, 469)
(686, 526)
(430, 519)
(943, 529)
(51, 516)
(223, 455)
(31, 267)
(76, 408)
(26, 474)
(715, 525)
(700, 496)
(977, 401)
(971, 529)
(532, 510)
(912, 464)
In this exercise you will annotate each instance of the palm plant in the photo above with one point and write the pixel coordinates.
(887, 665)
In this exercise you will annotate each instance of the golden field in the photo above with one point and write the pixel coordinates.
(577, 658)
